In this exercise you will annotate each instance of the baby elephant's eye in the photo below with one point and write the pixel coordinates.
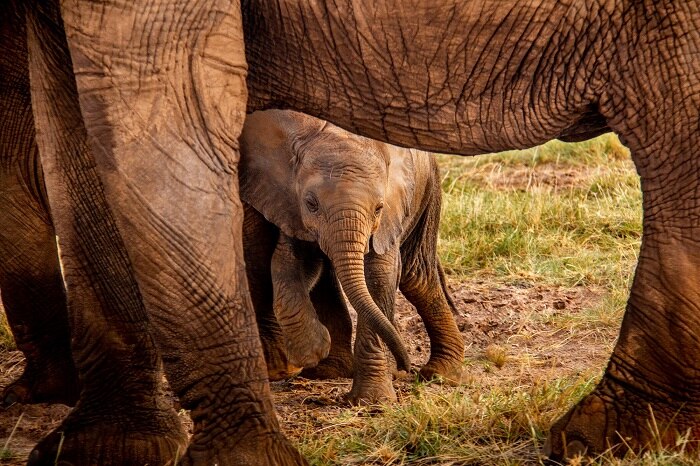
(378, 210)
(311, 203)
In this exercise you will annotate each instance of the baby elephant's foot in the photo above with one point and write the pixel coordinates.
(278, 365)
(442, 370)
(310, 347)
(372, 392)
(330, 368)
(287, 371)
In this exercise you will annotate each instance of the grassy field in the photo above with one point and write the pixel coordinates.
(563, 219)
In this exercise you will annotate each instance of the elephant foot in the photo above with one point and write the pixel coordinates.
(264, 449)
(374, 392)
(278, 365)
(615, 419)
(330, 368)
(443, 371)
(112, 443)
(287, 371)
(50, 382)
(308, 349)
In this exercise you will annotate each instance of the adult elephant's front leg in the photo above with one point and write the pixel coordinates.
(162, 96)
(371, 381)
(122, 416)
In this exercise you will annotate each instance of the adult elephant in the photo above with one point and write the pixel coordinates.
(138, 106)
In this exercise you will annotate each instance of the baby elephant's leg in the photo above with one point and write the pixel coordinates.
(423, 284)
(296, 267)
(332, 311)
(259, 242)
(427, 292)
(373, 371)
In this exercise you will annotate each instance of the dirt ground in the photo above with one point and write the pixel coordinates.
(521, 323)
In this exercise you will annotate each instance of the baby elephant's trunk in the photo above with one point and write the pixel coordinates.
(348, 235)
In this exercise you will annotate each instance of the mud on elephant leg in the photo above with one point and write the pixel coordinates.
(374, 366)
(30, 275)
(333, 313)
(296, 267)
(259, 242)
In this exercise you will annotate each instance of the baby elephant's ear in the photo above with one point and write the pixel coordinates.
(398, 200)
(266, 170)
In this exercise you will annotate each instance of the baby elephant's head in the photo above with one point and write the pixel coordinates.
(320, 183)
(341, 186)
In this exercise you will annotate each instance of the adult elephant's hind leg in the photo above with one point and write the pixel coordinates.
(30, 276)
(33, 298)
(650, 393)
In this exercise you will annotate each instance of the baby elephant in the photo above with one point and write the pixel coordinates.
(342, 210)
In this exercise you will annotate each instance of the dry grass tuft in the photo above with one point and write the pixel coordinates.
(496, 354)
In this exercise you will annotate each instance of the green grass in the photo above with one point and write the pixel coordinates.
(584, 232)
(468, 425)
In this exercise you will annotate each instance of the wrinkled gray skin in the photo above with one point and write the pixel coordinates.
(374, 211)
(137, 107)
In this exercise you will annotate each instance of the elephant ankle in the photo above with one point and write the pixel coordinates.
(442, 371)
(371, 389)
(444, 365)
(619, 419)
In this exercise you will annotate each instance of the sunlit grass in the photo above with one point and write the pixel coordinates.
(472, 424)
(580, 231)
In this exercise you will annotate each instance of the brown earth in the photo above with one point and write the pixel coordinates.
(527, 328)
